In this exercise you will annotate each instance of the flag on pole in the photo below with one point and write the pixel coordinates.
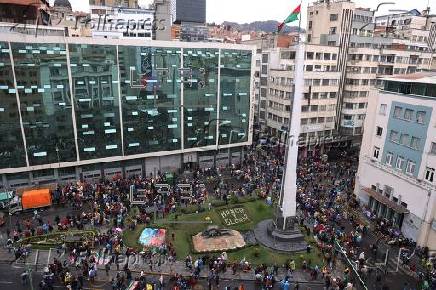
(291, 18)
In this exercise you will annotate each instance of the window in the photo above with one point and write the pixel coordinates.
(389, 157)
(309, 67)
(429, 174)
(310, 25)
(376, 152)
(408, 114)
(397, 112)
(410, 168)
(394, 136)
(304, 121)
(379, 131)
(332, 30)
(400, 163)
(420, 115)
(414, 143)
(382, 110)
(433, 148)
(404, 140)
(333, 17)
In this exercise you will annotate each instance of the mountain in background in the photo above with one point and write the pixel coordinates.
(267, 26)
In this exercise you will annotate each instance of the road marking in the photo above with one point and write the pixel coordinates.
(36, 257)
(48, 258)
(6, 282)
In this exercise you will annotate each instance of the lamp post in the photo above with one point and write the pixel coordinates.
(374, 11)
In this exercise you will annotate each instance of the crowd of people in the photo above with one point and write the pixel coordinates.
(326, 206)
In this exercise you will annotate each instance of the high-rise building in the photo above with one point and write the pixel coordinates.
(321, 82)
(121, 21)
(189, 11)
(163, 18)
(362, 55)
(396, 179)
(93, 107)
(189, 20)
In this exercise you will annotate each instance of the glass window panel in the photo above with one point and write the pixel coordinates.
(12, 152)
(150, 93)
(45, 99)
(200, 96)
(95, 85)
(235, 96)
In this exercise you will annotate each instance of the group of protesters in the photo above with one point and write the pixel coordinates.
(326, 207)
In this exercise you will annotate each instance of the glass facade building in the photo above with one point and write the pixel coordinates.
(79, 102)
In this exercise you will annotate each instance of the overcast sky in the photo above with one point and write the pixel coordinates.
(242, 11)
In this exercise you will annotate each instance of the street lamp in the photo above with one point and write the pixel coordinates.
(374, 11)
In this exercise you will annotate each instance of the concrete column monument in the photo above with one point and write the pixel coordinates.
(282, 233)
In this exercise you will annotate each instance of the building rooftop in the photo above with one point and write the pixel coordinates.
(421, 77)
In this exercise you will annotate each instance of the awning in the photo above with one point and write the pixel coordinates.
(386, 201)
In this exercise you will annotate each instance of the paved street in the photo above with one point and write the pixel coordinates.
(10, 273)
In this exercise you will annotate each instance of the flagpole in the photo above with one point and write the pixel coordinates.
(299, 23)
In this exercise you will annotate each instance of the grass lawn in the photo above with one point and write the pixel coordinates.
(257, 211)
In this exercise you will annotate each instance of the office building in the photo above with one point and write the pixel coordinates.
(318, 111)
(189, 11)
(163, 18)
(396, 176)
(87, 108)
(115, 22)
(189, 20)
(363, 56)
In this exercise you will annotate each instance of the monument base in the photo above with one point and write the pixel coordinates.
(283, 235)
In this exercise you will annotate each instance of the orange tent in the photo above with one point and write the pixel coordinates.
(36, 198)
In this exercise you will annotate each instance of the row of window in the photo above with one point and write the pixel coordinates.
(278, 119)
(321, 56)
(323, 95)
(280, 94)
(318, 108)
(404, 139)
(355, 106)
(355, 94)
(409, 166)
(320, 82)
(320, 68)
(360, 82)
(281, 81)
(389, 58)
(409, 115)
(279, 107)
(319, 120)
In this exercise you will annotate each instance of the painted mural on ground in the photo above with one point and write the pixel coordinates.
(152, 237)
(234, 216)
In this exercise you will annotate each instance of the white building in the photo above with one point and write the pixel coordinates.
(396, 176)
(118, 22)
(321, 80)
